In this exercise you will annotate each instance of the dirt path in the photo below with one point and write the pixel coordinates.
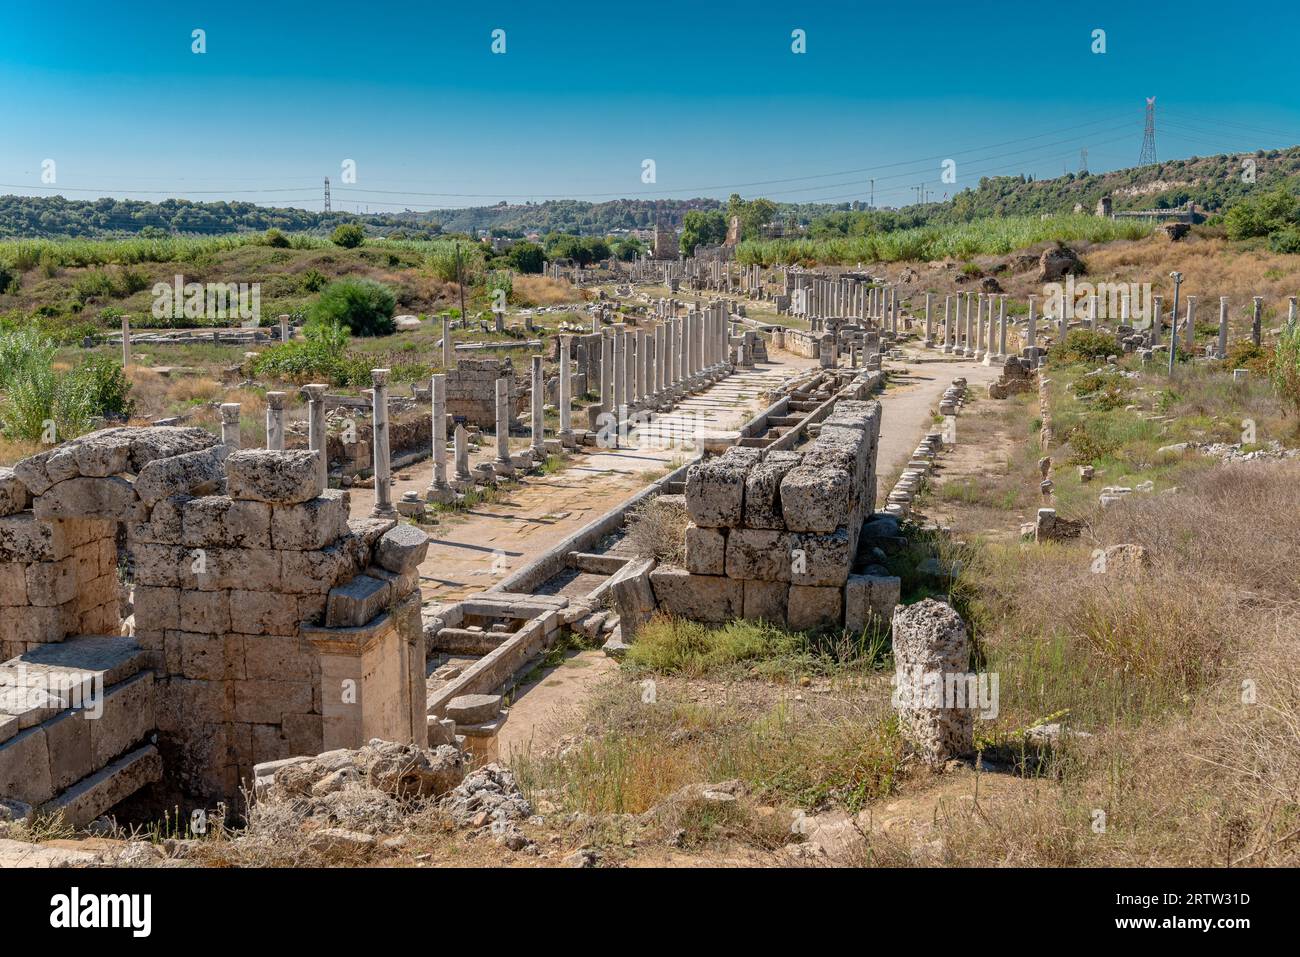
(910, 402)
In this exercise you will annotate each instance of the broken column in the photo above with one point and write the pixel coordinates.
(461, 445)
(538, 418)
(566, 391)
(932, 692)
(1256, 322)
(275, 421)
(316, 437)
(439, 490)
(230, 425)
(503, 465)
(383, 472)
(126, 343)
(1223, 327)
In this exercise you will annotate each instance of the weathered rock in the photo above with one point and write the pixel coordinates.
(191, 473)
(14, 496)
(276, 477)
(1058, 261)
(401, 548)
(815, 499)
(763, 490)
(931, 655)
(870, 599)
(715, 492)
(113, 497)
(706, 550)
(409, 771)
(699, 597)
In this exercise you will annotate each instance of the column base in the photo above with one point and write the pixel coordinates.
(439, 495)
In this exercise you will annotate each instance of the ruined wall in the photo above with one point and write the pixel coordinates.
(248, 575)
(773, 534)
(471, 389)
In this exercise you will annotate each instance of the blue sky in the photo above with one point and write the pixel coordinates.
(711, 91)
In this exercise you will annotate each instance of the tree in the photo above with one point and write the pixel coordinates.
(526, 257)
(348, 235)
(703, 228)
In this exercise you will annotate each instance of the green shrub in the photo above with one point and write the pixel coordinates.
(276, 239)
(313, 280)
(1285, 241)
(1284, 368)
(8, 277)
(35, 396)
(1084, 345)
(348, 235)
(103, 384)
(363, 306)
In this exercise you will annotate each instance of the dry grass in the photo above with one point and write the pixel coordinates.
(657, 529)
(544, 291)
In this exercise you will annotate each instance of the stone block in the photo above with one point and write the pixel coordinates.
(52, 583)
(870, 599)
(357, 602)
(712, 598)
(706, 550)
(91, 797)
(715, 492)
(25, 767)
(814, 606)
(25, 538)
(14, 496)
(112, 497)
(126, 720)
(262, 613)
(815, 499)
(157, 608)
(401, 548)
(766, 601)
(205, 612)
(761, 554)
(763, 490)
(192, 473)
(276, 477)
(826, 559)
(259, 701)
(312, 524)
(473, 708)
(13, 585)
(278, 656)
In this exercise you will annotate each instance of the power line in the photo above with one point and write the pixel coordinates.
(1148, 155)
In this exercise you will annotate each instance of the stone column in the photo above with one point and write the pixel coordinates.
(538, 416)
(566, 391)
(275, 421)
(661, 356)
(461, 441)
(448, 351)
(126, 345)
(1002, 327)
(438, 400)
(688, 346)
(1256, 323)
(607, 371)
(316, 436)
(651, 365)
(642, 367)
(230, 425)
(1189, 336)
(1157, 307)
(284, 327)
(503, 465)
(383, 474)
(1092, 312)
(929, 322)
(979, 327)
(947, 324)
(1291, 309)
(1223, 327)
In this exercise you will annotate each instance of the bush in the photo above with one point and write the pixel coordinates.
(1284, 368)
(1285, 241)
(313, 280)
(1085, 345)
(526, 257)
(102, 382)
(8, 277)
(364, 307)
(36, 397)
(276, 239)
(348, 235)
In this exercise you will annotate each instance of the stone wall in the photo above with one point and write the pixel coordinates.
(272, 624)
(471, 389)
(773, 534)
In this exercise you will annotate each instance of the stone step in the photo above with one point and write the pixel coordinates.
(94, 795)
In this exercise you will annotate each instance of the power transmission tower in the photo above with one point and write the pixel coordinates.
(327, 194)
(1148, 156)
(1083, 161)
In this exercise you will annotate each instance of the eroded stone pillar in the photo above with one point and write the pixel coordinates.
(461, 443)
(503, 465)
(1257, 322)
(126, 343)
(566, 390)
(275, 421)
(230, 425)
(317, 439)
(448, 350)
(438, 402)
(1223, 327)
(383, 463)
(538, 416)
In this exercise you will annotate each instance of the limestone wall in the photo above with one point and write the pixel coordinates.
(773, 534)
(471, 389)
(257, 600)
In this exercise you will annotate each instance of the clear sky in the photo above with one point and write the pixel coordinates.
(710, 91)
